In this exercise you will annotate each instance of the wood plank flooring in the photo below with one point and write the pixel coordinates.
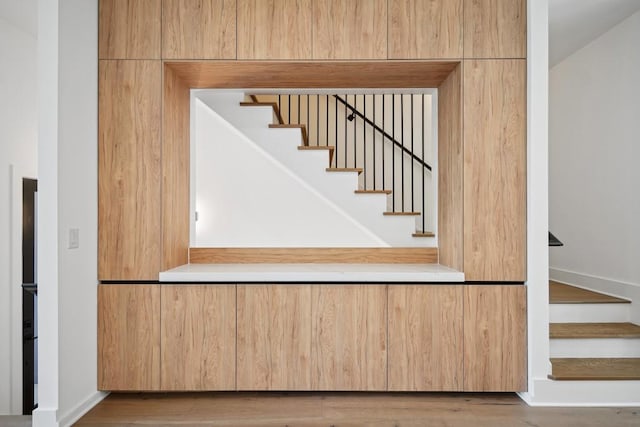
(344, 409)
(594, 330)
(595, 369)
(560, 293)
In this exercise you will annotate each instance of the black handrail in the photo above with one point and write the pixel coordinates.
(382, 131)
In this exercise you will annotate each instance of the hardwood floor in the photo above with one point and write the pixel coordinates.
(344, 409)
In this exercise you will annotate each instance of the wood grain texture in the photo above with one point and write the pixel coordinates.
(274, 337)
(129, 170)
(425, 29)
(270, 74)
(344, 409)
(561, 293)
(274, 29)
(425, 338)
(313, 255)
(199, 29)
(450, 171)
(495, 170)
(495, 338)
(129, 29)
(349, 29)
(349, 337)
(198, 333)
(129, 337)
(591, 369)
(594, 330)
(495, 28)
(176, 178)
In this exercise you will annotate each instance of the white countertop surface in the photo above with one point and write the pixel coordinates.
(338, 273)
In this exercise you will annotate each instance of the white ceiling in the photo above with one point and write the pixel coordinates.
(21, 13)
(575, 23)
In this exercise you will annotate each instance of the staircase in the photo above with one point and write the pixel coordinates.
(262, 123)
(591, 338)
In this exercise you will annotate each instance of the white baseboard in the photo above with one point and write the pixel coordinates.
(583, 393)
(74, 414)
(627, 290)
(44, 417)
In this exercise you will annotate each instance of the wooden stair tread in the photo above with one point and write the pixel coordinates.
(372, 191)
(560, 293)
(319, 147)
(426, 234)
(402, 213)
(595, 369)
(359, 170)
(594, 330)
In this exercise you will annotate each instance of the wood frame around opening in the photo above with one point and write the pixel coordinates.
(181, 76)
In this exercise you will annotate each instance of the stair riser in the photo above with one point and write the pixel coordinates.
(594, 347)
(585, 313)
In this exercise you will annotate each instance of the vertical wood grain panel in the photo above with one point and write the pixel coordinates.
(129, 29)
(495, 170)
(198, 331)
(495, 338)
(495, 28)
(129, 337)
(425, 338)
(450, 171)
(349, 337)
(350, 29)
(199, 29)
(274, 337)
(129, 173)
(274, 29)
(425, 29)
(175, 171)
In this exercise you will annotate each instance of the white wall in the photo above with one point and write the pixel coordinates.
(67, 199)
(18, 145)
(594, 138)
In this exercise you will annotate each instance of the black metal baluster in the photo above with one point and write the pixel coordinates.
(382, 139)
(402, 141)
(298, 98)
(355, 140)
(317, 119)
(289, 109)
(346, 121)
(336, 124)
(424, 205)
(412, 168)
(308, 123)
(373, 131)
(364, 141)
(393, 152)
(279, 105)
(326, 132)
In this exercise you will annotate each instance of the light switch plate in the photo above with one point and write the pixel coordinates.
(74, 238)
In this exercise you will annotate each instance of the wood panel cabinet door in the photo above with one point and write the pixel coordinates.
(129, 29)
(349, 337)
(274, 29)
(274, 337)
(425, 337)
(349, 29)
(495, 190)
(198, 332)
(495, 28)
(425, 29)
(129, 337)
(495, 338)
(129, 170)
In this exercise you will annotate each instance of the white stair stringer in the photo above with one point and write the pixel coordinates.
(310, 166)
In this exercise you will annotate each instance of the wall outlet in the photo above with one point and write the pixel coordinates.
(74, 238)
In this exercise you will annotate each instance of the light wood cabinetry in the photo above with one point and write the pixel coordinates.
(495, 338)
(425, 337)
(199, 29)
(349, 337)
(425, 29)
(495, 170)
(274, 29)
(349, 29)
(198, 336)
(129, 337)
(129, 170)
(495, 28)
(274, 337)
(129, 29)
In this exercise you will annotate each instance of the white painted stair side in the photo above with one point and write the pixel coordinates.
(311, 166)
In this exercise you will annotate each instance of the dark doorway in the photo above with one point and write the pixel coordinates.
(29, 297)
